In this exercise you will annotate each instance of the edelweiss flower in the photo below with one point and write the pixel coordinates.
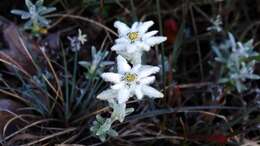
(97, 64)
(82, 37)
(133, 41)
(130, 81)
(77, 41)
(35, 13)
(238, 60)
(216, 24)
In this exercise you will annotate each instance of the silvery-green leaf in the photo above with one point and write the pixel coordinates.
(129, 111)
(105, 53)
(216, 51)
(33, 10)
(47, 10)
(232, 41)
(39, 3)
(102, 137)
(93, 128)
(222, 60)
(18, 12)
(43, 21)
(240, 87)
(93, 51)
(41, 9)
(26, 15)
(106, 63)
(253, 76)
(224, 80)
(85, 64)
(112, 133)
(249, 44)
(105, 127)
(28, 3)
(100, 119)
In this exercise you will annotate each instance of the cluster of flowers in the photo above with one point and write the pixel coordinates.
(133, 78)
(238, 59)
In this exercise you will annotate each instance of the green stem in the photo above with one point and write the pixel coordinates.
(75, 67)
(162, 46)
(74, 75)
(66, 84)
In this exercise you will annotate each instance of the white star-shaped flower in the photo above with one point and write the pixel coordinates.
(82, 37)
(130, 81)
(133, 41)
(216, 24)
(76, 42)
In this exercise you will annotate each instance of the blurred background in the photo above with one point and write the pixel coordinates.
(196, 109)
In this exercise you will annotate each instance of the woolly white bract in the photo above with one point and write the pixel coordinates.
(133, 41)
(130, 81)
